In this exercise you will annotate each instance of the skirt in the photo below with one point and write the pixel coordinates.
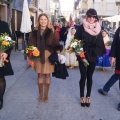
(45, 68)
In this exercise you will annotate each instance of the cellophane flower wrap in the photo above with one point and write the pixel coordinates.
(77, 47)
(5, 43)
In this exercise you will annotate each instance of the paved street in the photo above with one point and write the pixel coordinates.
(20, 99)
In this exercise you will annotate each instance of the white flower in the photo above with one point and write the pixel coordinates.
(81, 49)
(7, 38)
(34, 48)
(73, 44)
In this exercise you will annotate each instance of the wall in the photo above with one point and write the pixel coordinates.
(3, 12)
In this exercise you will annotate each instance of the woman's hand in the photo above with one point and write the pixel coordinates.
(4, 56)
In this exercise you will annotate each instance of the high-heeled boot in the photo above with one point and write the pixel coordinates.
(1, 104)
(46, 90)
(40, 86)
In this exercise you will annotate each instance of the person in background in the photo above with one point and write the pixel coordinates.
(71, 59)
(115, 58)
(90, 32)
(57, 29)
(47, 42)
(63, 32)
(105, 60)
(7, 68)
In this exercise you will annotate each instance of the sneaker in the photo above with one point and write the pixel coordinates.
(118, 107)
(102, 92)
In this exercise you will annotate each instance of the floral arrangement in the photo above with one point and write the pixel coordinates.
(77, 47)
(5, 43)
(32, 53)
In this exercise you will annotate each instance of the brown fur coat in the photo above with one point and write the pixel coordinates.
(51, 41)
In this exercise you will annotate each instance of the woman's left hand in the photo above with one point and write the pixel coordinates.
(4, 55)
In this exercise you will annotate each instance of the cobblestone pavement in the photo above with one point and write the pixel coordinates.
(20, 99)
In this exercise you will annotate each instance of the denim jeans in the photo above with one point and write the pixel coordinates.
(111, 82)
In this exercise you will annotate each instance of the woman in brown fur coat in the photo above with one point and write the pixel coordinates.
(46, 41)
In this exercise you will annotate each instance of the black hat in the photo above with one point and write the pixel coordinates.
(92, 13)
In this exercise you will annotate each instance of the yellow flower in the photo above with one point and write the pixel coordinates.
(5, 43)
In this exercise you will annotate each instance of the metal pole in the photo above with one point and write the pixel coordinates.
(93, 3)
(24, 46)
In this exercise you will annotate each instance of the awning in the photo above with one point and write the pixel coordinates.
(18, 5)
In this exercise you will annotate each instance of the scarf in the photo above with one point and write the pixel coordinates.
(41, 44)
(93, 29)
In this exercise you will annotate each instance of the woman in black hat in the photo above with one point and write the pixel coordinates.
(90, 32)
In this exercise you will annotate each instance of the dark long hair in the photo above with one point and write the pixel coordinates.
(92, 13)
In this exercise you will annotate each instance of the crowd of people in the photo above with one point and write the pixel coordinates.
(47, 37)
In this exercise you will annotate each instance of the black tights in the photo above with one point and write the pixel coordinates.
(86, 72)
(2, 87)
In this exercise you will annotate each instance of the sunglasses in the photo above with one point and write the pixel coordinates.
(94, 16)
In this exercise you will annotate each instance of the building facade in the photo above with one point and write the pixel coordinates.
(104, 8)
(3, 12)
(55, 10)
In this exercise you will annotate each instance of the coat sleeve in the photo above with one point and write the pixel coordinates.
(114, 44)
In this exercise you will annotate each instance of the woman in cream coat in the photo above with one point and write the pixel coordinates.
(71, 59)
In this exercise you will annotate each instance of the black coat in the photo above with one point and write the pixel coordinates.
(93, 45)
(7, 69)
(60, 70)
(63, 36)
(115, 48)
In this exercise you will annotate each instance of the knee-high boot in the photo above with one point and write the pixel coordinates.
(40, 87)
(46, 90)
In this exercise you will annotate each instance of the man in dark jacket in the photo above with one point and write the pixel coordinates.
(115, 60)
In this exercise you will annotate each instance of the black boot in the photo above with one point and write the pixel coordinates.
(1, 104)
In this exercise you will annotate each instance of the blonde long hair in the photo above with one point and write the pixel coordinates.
(38, 21)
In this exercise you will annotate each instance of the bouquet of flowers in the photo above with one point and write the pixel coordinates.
(77, 47)
(32, 53)
(5, 43)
